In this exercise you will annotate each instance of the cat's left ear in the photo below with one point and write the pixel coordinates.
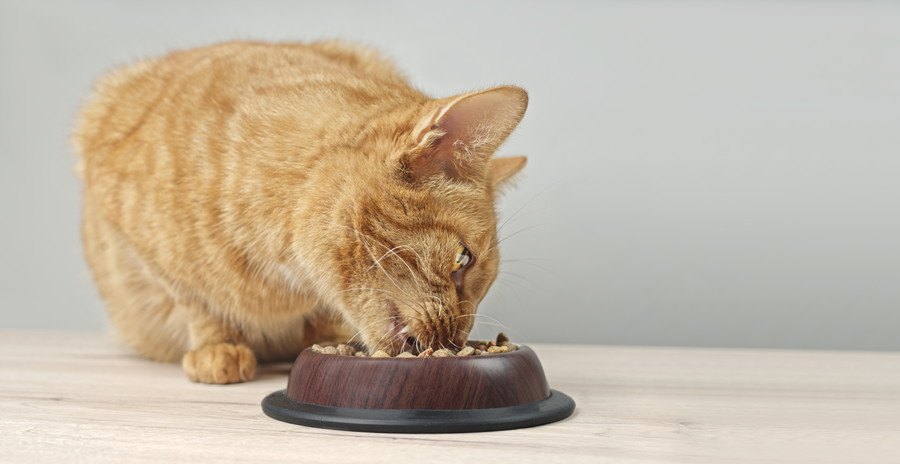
(504, 169)
(456, 136)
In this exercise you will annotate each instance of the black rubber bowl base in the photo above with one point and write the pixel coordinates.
(556, 407)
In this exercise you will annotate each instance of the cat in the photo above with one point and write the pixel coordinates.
(246, 199)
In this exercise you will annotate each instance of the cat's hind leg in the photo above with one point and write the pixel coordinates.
(140, 307)
(150, 318)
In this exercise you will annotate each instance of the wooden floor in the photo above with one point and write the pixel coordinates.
(79, 397)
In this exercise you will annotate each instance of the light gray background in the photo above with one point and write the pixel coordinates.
(701, 173)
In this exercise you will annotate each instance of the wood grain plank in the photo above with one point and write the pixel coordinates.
(79, 397)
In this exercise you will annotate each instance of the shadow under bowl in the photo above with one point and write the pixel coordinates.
(419, 395)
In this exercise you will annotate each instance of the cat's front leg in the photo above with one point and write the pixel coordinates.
(218, 354)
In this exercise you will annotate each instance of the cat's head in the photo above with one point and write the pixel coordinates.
(420, 247)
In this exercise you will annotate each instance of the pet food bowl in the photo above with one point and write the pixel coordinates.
(419, 395)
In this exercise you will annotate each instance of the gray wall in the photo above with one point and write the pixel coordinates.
(702, 173)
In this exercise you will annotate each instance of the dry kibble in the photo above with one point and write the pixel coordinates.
(477, 348)
(442, 353)
(467, 351)
(345, 350)
(329, 350)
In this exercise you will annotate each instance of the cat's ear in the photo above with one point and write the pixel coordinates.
(456, 136)
(503, 169)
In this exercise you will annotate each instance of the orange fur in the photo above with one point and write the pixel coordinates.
(245, 200)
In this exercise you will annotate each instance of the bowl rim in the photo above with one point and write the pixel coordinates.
(519, 347)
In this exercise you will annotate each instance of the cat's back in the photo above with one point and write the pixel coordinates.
(170, 129)
(216, 79)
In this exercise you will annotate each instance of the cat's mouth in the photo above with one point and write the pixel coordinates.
(399, 331)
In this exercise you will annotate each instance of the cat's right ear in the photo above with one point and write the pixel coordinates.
(455, 137)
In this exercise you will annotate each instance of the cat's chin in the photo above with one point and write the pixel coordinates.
(398, 331)
(400, 335)
(393, 338)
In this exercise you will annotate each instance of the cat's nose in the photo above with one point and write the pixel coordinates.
(438, 336)
(461, 327)
(456, 334)
(459, 339)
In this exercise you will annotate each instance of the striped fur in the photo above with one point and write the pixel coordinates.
(244, 200)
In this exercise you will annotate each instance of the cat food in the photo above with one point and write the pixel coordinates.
(329, 350)
(340, 350)
(467, 351)
(345, 350)
(481, 348)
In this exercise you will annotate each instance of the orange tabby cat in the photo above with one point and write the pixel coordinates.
(245, 200)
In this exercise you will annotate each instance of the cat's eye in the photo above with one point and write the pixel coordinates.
(463, 258)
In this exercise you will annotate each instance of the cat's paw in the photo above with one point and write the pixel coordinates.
(221, 363)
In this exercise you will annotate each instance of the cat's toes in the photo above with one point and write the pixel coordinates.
(221, 363)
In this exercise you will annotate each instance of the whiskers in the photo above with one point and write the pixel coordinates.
(533, 263)
(361, 331)
(370, 244)
(483, 320)
(521, 208)
(420, 286)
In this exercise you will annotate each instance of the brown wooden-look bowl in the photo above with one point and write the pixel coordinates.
(467, 382)
(419, 395)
